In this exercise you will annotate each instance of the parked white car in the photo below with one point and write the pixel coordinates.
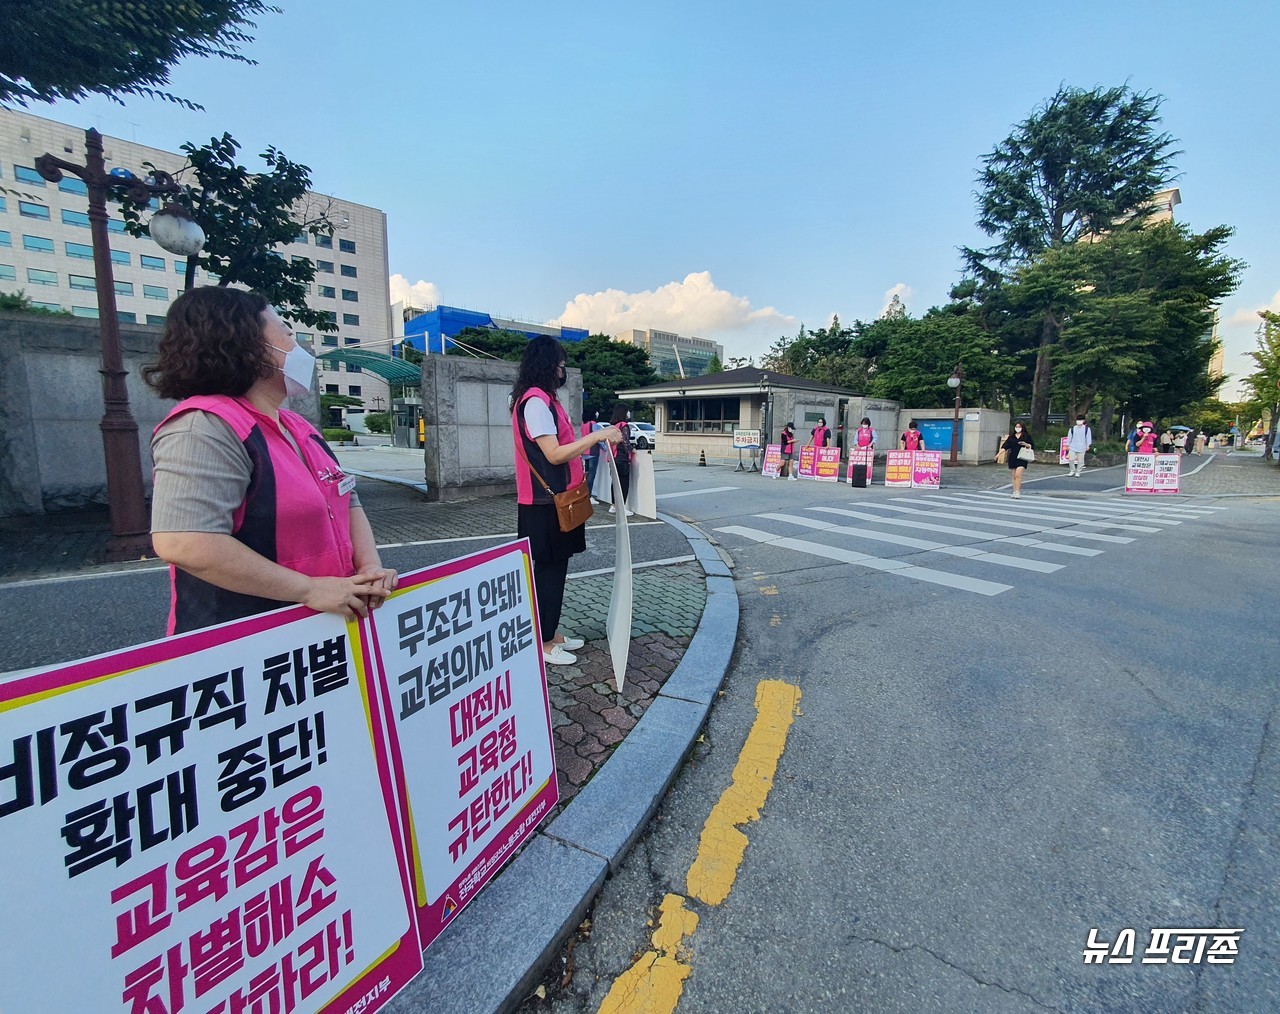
(644, 435)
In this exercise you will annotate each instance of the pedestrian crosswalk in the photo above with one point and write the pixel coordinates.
(1034, 534)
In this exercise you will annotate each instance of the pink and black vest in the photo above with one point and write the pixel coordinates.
(292, 512)
(820, 434)
(911, 440)
(864, 436)
(558, 477)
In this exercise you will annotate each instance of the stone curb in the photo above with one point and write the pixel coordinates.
(493, 956)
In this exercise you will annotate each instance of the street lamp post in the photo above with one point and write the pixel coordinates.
(130, 525)
(954, 381)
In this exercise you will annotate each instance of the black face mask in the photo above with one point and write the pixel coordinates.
(562, 378)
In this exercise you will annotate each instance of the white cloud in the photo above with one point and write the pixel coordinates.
(694, 307)
(1249, 315)
(902, 290)
(420, 294)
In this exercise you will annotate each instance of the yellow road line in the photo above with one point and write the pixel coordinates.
(722, 845)
(654, 982)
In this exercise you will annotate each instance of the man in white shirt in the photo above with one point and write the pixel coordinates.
(1079, 440)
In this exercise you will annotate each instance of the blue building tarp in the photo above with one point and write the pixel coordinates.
(431, 331)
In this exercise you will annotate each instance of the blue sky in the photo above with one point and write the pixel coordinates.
(727, 170)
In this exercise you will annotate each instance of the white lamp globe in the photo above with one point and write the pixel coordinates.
(174, 230)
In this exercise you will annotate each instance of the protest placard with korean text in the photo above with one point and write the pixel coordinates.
(861, 456)
(1168, 473)
(807, 458)
(772, 461)
(926, 469)
(898, 468)
(827, 464)
(1140, 473)
(462, 656)
(203, 823)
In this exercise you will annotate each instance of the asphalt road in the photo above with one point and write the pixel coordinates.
(63, 618)
(990, 761)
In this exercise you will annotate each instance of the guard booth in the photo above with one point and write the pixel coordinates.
(406, 422)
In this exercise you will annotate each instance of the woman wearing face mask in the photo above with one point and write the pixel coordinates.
(546, 451)
(1013, 443)
(249, 508)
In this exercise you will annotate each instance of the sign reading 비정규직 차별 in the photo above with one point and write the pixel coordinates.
(203, 823)
(462, 656)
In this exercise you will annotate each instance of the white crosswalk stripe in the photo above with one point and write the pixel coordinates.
(989, 523)
(972, 533)
(1031, 510)
(898, 568)
(1106, 509)
(924, 545)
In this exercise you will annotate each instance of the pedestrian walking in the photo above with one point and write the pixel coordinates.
(912, 439)
(1180, 442)
(249, 507)
(788, 437)
(865, 435)
(820, 436)
(545, 444)
(1079, 440)
(1018, 453)
(622, 454)
(1201, 442)
(1166, 442)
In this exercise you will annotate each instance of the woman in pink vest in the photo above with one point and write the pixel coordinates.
(865, 435)
(820, 436)
(250, 508)
(545, 442)
(1147, 438)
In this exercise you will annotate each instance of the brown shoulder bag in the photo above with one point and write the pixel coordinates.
(573, 506)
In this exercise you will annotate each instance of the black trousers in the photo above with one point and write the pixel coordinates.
(548, 581)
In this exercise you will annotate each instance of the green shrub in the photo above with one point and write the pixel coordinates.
(336, 435)
(377, 422)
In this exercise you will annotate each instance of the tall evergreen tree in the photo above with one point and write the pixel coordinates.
(1080, 165)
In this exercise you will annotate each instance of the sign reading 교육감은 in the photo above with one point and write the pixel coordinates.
(461, 653)
(205, 824)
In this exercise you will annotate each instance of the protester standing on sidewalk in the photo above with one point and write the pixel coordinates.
(1146, 439)
(789, 451)
(1013, 443)
(250, 508)
(544, 442)
(1079, 440)
(912, 439)
(622, 453)
(865, 436)
(820, 436)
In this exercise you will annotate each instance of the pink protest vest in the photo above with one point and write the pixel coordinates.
(912, 440)
(1147, 444)
(820, 436)
(292, 512)
(864, 436)
(558, 477)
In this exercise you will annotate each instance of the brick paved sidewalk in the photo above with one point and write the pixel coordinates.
(1231, 475)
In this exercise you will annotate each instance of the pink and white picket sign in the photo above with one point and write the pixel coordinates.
(204, 823)
(772, 464)
(1064, 451)
(926, 469)
(471, 722)
(808, 455)
(827, 464)
(1168, 474)
(1140, 473)
(898, 468)
(861, 456)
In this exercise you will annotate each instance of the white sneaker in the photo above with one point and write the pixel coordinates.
(572, 643)
(1017, 494)
(630, 513)
(792, 478)
(558, 656)
(613, 510)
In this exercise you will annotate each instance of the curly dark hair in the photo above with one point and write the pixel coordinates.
(212, 344)
(539, 368)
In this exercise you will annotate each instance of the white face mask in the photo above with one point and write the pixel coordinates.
(299, 371)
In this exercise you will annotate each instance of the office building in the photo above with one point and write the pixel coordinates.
(45, 250)
(673, 355)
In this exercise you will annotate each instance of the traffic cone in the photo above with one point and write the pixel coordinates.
(702, 459)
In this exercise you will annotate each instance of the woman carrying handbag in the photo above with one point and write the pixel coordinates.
(548, 462)
(1018, 453)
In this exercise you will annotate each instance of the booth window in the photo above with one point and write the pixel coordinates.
(703, 415)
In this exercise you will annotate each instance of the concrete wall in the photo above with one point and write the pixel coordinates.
(469, 451)
(51, 455)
